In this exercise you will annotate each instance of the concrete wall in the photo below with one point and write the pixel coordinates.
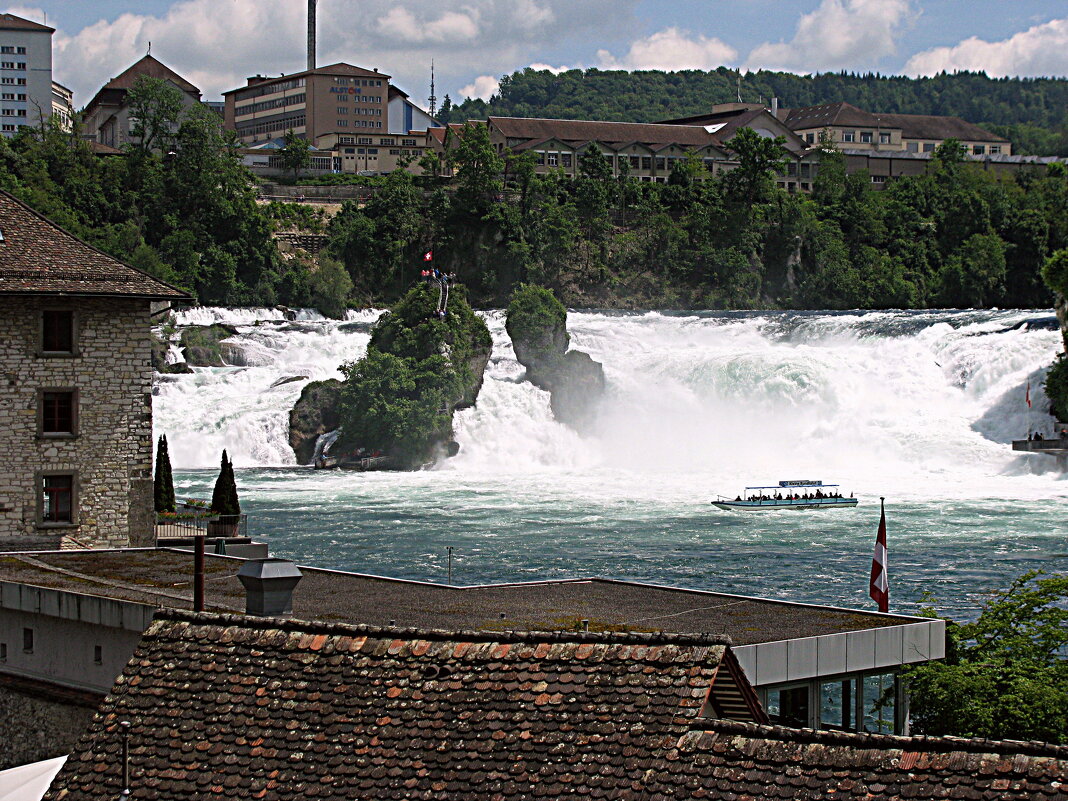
(111, 455)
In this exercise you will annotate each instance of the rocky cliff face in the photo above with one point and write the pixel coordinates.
(315, 413)
(400, 398)
(537, 324)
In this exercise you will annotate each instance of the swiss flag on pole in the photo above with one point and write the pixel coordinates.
(428, 256)
(1027, 397)
(879, 588)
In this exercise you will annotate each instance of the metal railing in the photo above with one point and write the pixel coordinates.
(185, 523)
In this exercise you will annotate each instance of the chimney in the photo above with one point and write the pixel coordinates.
(269, 586)
(774, 106)
(311, 34)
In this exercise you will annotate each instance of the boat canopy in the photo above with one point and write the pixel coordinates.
(791, 484)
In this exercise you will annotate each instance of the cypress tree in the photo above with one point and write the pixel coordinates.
(163, 480)
(224, 496)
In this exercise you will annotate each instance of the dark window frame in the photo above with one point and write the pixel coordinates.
(74, 335)
(27, 640)
(74, 402)
(39, 479)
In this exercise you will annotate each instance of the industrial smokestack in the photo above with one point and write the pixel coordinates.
(311, 34)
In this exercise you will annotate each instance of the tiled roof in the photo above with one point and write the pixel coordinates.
(9, 22)
(827, 114)
(757, 762)
(912, 126)
(267, 708)
(608, 132)
(39, 257)
(149, 67)
(929, 126)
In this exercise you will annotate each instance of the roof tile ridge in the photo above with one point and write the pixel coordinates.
(919, 742)
(450, 635)
(80, 241)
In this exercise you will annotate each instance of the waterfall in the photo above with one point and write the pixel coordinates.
(914, 402)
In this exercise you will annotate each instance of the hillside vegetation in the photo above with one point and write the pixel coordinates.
(1032, 112)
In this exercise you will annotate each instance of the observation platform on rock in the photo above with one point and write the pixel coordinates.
(1052, 447)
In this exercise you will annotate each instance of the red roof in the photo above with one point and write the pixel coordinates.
(39, 257)
(149, 67)
(605, 132)
(9, 22)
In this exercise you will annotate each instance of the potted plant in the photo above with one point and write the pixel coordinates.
(224, 502)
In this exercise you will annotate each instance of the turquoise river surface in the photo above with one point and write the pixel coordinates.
(919, 407)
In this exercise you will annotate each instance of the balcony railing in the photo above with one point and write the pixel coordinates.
(192, 520)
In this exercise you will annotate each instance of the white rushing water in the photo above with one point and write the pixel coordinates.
(919, 407)
(907, 403)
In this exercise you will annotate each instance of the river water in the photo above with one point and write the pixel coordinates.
(919, 407)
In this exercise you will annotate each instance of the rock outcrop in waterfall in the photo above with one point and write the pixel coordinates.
(399, 399)
(537, 325)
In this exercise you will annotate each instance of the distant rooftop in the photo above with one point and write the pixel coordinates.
(163, 578)
(9, 22)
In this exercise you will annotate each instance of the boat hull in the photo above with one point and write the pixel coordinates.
(771, 506)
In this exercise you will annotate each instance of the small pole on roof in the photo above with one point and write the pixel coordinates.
(450, 564)
(198, 573)
(124, 726)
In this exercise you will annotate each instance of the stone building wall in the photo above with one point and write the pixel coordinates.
(36, 727)
(111, 456)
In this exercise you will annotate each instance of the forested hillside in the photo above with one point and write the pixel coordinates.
(1032, 112)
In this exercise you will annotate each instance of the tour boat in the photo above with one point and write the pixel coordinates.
(788, 495)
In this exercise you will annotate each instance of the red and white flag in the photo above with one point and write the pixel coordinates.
(879, 588)
(1027, 397)
(428, 256)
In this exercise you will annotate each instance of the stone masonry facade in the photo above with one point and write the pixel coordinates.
(110, 455)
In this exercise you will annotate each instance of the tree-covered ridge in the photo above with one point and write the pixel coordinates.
(1033, 112)
(958, 236)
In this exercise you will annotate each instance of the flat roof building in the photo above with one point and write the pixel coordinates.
(333, 99)
(810, 665)
(25, 73)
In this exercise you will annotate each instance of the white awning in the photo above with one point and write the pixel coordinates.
(29, 782)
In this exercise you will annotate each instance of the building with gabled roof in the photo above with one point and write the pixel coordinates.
(856, 129)
(224, 705)
(76, 394)
(245, 707)
(106, 118)
(735, 760)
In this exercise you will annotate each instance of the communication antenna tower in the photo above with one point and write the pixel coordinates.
(432, 101)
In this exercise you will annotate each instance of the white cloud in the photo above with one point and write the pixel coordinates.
(549, 67)
(671, 49)
(1038, 51)
(216, 51)
(402, 25)
(484, 87)
(839, 34)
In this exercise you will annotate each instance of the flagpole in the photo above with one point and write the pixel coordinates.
(878, 585)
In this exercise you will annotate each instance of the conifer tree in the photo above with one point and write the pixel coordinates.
(224, 496)
(163, 481)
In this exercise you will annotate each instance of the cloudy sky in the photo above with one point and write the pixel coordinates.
(217, 43)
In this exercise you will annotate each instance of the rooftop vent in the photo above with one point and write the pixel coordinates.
(269, 586)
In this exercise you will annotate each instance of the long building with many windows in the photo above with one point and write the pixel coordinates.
(336, 99)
